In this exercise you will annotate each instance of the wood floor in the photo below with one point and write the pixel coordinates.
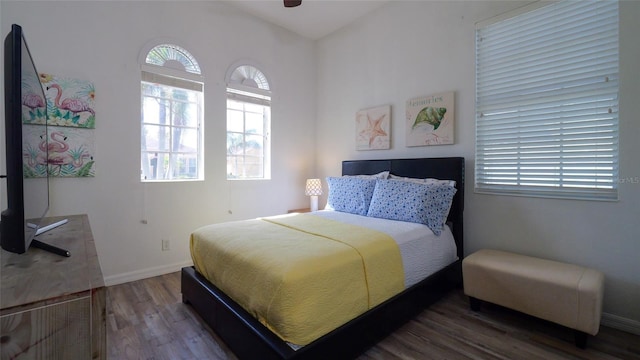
(146, 319)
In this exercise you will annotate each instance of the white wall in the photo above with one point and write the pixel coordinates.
(101, 42)
(408, 49)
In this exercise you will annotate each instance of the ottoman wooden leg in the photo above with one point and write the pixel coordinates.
(474, 303)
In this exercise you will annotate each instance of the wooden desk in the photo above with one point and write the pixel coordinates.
(53, 307)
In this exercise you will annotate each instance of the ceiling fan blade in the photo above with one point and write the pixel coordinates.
(292, 3)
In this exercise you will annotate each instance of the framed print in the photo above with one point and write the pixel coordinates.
(70, 102)
(373, 128)
(430, 120)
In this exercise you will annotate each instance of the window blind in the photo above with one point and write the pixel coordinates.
(249, 97)
(547, 102)
(171, 81)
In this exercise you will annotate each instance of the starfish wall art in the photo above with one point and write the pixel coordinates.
(373, 128)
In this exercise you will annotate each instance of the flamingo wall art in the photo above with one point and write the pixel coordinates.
(33, 109)
(69, 136)
(70, 102)
(70, 152)
(33, 101)
(35, 160)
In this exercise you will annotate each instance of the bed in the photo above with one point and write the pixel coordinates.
(248, 338)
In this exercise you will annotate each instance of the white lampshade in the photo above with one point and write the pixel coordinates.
(313, 188)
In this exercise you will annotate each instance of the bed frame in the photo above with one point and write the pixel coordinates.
(249, 339)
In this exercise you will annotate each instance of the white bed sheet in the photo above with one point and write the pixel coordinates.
(423, 253)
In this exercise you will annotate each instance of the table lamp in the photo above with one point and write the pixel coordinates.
(313, 189)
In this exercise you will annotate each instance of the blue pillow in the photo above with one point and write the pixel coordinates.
(350, 194)
(426, 204)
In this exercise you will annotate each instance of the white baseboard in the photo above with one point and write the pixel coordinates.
(620, 323)
(144, 273)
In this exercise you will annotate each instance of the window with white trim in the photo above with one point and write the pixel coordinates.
(248, 124)
(547, 102)
(172, 113)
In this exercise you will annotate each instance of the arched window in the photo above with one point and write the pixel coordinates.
(174, 57)
(172, 113)
(248, 123)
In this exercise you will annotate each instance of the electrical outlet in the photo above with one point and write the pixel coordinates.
(165, 245)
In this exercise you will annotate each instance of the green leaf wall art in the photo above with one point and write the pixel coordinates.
(430, 120)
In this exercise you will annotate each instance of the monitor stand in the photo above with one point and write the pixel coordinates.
(50, 248)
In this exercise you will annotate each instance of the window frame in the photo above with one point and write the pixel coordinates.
(172, 76)
(249, 87)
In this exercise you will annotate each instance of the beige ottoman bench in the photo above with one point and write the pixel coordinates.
(565, 294)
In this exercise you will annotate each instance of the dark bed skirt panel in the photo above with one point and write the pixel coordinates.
(245, 335)
(249, 339)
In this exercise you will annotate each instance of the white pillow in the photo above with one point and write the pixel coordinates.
(423, 181)
(380, 175)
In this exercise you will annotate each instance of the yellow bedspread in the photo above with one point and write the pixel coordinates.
(300, 275)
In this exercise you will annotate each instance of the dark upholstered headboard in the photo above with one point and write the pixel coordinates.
(451, 168)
